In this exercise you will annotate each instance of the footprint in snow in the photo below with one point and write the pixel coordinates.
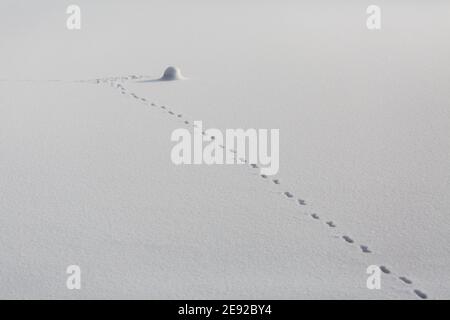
(365, 249)
(385, 269)
(301, 202)
(288, 194)
(348, 239)
(315, 216)
(405, 280)
(420, 294)
(331, 224)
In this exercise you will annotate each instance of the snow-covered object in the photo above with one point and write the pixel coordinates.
(172, 73)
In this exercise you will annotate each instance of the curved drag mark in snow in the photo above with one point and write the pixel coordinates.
(174, 74)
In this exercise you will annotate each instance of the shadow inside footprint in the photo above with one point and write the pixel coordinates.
(405, 280)
(315, 216)
(301, 202)
(348, 239)
(288, 194)
(331, 224)
(420, 294)
(385, 270)
(276, 181)
(365, 249)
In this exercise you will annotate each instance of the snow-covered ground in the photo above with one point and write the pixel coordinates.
(86, 177)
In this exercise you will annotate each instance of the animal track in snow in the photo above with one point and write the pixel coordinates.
(288, 194)
(405, 280)
(385, 270)
(348, 239)
(331, 224)
(420, 294)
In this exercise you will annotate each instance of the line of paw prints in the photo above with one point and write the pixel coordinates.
(117, 83)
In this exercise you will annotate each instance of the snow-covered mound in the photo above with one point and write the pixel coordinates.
(172, 73)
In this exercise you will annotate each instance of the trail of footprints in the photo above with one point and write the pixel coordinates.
(116, 82)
